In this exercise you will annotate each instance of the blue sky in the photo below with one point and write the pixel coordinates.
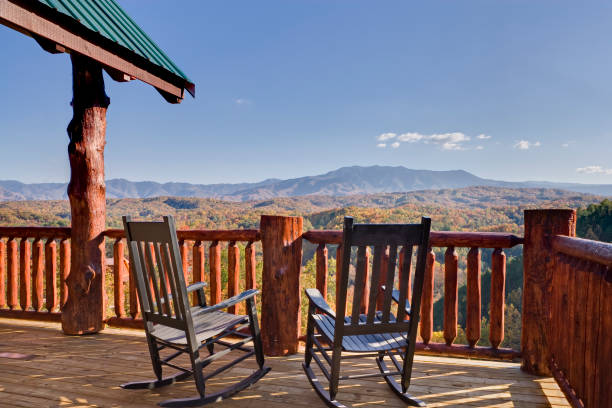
(291, 88)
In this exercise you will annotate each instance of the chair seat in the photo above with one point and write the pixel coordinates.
(206, 325)
(361, 342)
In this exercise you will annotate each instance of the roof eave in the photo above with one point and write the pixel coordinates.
(46, 25)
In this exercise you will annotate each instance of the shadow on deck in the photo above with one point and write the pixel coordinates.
(39, 366)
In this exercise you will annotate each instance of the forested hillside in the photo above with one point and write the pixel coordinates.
(595, 222)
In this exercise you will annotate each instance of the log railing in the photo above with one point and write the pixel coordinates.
(450, 241)
(192, 244)
(581, 320)
(30, 287)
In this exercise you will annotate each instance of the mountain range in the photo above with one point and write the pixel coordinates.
(341, 182)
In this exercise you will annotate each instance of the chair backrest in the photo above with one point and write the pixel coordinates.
(157, 268)
(393, 238)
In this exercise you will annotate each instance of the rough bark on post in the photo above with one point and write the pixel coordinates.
(538, 268)
(84, 309)
(281, 239)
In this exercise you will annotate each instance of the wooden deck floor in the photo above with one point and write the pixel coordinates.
(49, 369)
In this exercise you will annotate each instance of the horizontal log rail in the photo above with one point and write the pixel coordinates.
(436, 238)
(35, 232)
(450, 241)
(584, 249)
(193, 253)
(30, 287)
(581, 320)
(251, 235)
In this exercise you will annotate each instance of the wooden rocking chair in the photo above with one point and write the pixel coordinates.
(377, 333)
(172, 324)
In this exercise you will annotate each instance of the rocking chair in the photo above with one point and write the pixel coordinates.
(377, 333)
(172, 324)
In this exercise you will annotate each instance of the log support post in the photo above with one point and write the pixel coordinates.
(281, 239)
(538, 269)
(84, 309)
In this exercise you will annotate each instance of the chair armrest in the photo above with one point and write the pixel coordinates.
(318, 300)
(396, 295)
(199, 287)
(196, 286)
(247, 294)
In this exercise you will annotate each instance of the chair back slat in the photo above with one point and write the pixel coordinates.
(360, 283)
(396, 239)
(386, 309)
(160, 281)
(163, 279)
(153, 278)
(404, 282)
(374, 287)
(141, 265)
(165, 256)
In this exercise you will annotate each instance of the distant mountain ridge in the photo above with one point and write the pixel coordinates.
(341, 182)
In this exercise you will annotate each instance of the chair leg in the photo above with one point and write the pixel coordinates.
(335, 369)
(309, 336)
(197, 373)
(255, 333)
(155, 359)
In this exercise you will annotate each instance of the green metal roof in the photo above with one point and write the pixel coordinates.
(108, 19)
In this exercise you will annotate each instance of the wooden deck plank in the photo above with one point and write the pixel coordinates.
(86, 371)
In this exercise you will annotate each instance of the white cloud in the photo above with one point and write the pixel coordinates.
(479, 147)
(446, 141)
(483, 137)
(594, 170)
(242, 101)
(526, 145)
(381, 145)
(386, 136)
(410, 137)
(449, 141)
(565, 145)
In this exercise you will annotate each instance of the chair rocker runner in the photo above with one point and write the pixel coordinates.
(375, 332)
(173, 325)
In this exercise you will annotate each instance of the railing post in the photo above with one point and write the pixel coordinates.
(427, 299)
(538, 268)
(281, 239)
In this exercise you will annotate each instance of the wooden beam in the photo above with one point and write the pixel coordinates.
(49, 46)
(23, 20)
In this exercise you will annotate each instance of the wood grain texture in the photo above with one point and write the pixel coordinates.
(498, 302)
(538, 269)
(427, 301)
(25, 275)
(38, 270)
(2, 274)
(321, 269)
(250, 266)
(436, 238)
(586, 249)
(64, 270)
(84, 310)
(472, 329)
(121, 355)
(12, 280)
(214, 265)
(233, 274)
(451, 260)
(198, 267)
(119, 277)
(282, 258)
